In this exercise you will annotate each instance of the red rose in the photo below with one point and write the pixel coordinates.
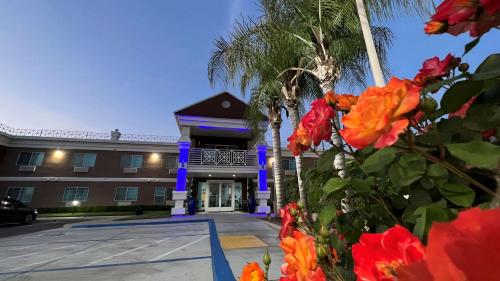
(458, 16)
(287, 220)
(464, 249)
(434, 69)
(379, 256)
(317, 121)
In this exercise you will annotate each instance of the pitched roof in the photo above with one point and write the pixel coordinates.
(222, 105)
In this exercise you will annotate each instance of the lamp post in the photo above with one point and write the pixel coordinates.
(378, 76)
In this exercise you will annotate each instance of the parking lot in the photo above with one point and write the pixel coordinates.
(120, 252)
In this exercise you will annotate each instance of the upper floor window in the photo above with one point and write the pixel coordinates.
(172, 162)
(30, 158)
(23, 194)
(75, 193)
(126, 193)
(288, 164)
(131, 161)
(83, 160)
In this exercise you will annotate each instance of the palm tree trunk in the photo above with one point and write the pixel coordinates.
(293, 110)
(378, 77)
(339, 163)
(277, 169)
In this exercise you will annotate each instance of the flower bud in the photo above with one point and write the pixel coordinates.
(435, 27)
(321, 251)
(300, 205)
(293, 212)
(323, 232)
(428, 105)
(463, 67)
(267, 258)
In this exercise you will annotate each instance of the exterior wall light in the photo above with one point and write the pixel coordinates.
(155, 157)
(76, 203)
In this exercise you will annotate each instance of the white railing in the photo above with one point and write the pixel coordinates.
(222, 157)
(66, 134)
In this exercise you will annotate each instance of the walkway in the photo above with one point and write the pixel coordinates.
(233, 230)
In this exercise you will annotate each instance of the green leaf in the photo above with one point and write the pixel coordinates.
(459, 94)
(325, 161)
(471, 45)
(479, 154)
(425, 217)
(489, 68)
(457, 194)
(482, 117)
(360, 186)
(378, 160)
(437, 171)
(436, 86)
(419, 197)
(407, 170)
(335, 184)
(327, 215)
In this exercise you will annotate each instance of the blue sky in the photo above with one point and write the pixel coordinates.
(127, 64)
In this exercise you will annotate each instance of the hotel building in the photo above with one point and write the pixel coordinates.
(215, 160)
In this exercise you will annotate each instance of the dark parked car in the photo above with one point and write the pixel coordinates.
(12, 210)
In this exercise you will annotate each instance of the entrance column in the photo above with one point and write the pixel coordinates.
(180, 193)
(262, 194)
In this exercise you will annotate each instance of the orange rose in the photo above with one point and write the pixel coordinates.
(252, 272)
(300, 259)
(330, 98)
(345, 101)
(299, 141)
(342, 101)
(378, 117)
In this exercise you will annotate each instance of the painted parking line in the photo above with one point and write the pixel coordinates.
(67, 255)
(106, 265)
(179, 248)
(25, 255)
(128, 251)
(23, 248)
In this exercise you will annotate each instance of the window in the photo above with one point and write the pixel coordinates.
(30, 159)
(131, 161)
(172, 162)
(75, 193)
(288, 164)
(160, 195)
(83, 160)
(126, 193)
(23, 194)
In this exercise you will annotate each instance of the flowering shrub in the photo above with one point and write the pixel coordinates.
(421, 174)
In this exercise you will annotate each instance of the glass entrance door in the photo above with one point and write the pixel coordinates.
(220, 196)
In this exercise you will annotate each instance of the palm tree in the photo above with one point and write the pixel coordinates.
(255, 54)
(266, 98)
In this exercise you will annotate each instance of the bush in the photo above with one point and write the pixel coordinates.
(103, 209)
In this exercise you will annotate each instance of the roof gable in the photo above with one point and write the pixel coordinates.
(223, 105)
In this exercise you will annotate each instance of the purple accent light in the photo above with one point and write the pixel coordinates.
(261, 157)
(182, 169)
(224, 129)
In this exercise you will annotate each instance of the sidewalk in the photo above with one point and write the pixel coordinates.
(233, 230)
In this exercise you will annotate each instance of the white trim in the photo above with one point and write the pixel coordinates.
(58, 143)
(87, 179)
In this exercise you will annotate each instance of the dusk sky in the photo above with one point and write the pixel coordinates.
(128, 64)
